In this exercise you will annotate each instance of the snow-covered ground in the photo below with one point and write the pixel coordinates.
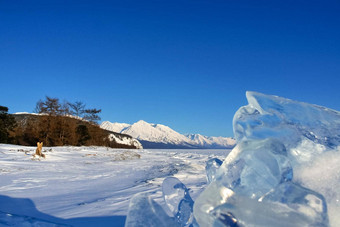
(89, 186)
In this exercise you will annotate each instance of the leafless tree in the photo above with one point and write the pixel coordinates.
(77, 108)
(50, 106)
(92, 115)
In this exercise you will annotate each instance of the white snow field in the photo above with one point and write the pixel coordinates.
(89, 186)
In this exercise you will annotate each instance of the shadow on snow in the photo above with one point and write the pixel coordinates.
(17, 211)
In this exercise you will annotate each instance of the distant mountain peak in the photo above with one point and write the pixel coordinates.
(141, 122)
(161, 136)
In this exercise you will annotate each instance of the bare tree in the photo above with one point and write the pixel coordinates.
(38, 106)
(92, 115)
(65, 109)
(77, 108)
(50, 106)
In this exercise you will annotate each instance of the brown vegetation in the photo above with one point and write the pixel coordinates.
(59, 124)
(7, 124)
(61, 131)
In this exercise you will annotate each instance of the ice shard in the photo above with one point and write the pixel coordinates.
(254, 167)
(287, 205)
(211, 168)
(144, 211)
(177, 198)
(302, 200)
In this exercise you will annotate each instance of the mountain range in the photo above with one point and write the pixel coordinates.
(161, 136)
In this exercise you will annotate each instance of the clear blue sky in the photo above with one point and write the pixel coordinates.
(185, 64)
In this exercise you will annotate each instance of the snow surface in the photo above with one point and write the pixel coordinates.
(114, 127)
(206, 141)
(42, 114)
(89, 186)
(159, 133)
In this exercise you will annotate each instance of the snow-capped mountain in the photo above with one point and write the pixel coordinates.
(116, 127)
(206, 141)
(161, 136)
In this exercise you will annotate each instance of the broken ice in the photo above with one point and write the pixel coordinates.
(255, 185)
(177, 198)
(144, 211)
(254, 167)
(211, 168)
(291, 122)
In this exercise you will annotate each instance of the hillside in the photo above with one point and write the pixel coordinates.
(66, 130)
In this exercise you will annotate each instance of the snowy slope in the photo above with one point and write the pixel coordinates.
(89, 186)
(114, 127)
(210, 141)
(155, 133)
(123, 139)
(158, 135)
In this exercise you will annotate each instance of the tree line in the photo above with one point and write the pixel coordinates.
(55, 124)
(7, 125)
(53, 107)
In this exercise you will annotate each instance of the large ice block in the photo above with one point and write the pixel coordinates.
(284, 170)
(255, 185)
(268, 116)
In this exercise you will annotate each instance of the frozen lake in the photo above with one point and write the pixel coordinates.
(90, 185)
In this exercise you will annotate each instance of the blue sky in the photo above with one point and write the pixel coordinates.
(185, 64)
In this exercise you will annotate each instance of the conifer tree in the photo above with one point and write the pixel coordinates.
(7, 123)
(92, 115)
(83, 134)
